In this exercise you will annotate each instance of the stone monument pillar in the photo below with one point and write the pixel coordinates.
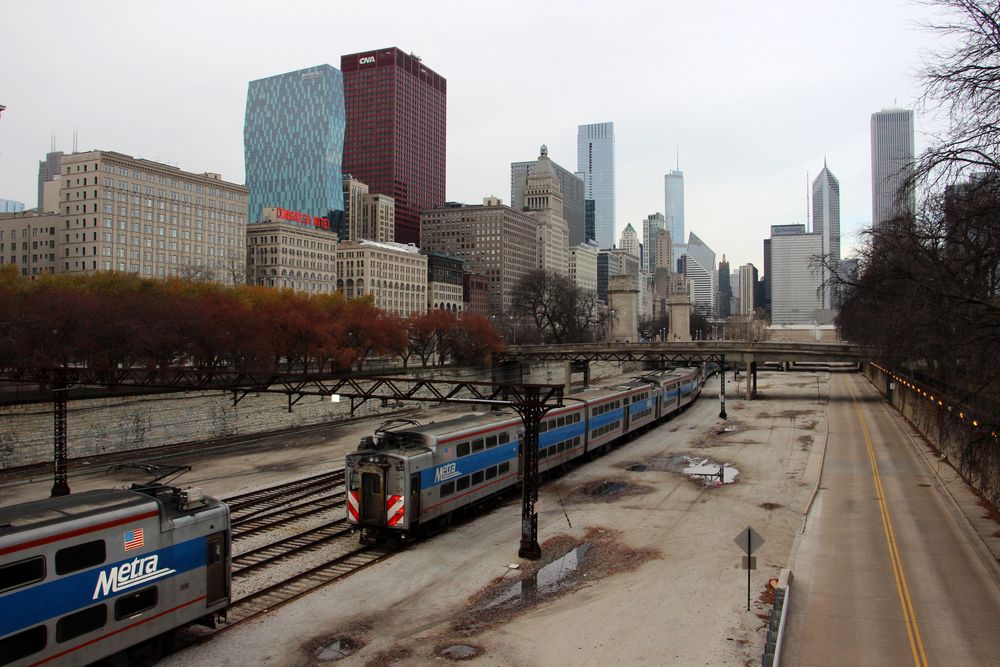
(680, 316)
(623, 300)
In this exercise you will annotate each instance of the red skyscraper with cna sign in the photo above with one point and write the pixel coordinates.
(395, 137)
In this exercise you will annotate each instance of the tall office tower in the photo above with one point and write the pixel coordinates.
(595, 159)
(776, 230)
(699, 269)
(748, 287)
(725, 289)
(795, 280)
(48, 172)
(673, 205)
(662, 250)
(589, 222)
(396, 132)
(651, 227)
(892, 164)
(543, 201)
(570, 184)
(826, 223)
(630, 241)
(366, 216)
(293, 141)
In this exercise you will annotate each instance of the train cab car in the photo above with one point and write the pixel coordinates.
(408, 476)
(89, 575)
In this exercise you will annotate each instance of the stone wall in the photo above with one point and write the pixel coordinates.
(972, 450)
(134, 423)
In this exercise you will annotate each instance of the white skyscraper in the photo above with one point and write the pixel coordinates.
(673, 206)
(826, 223)
(630, 241)
(701, 271)
(595, 159)
(892, 163)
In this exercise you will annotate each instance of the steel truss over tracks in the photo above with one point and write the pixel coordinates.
(531, 401)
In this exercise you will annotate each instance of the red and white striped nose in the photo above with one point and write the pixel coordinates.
(353, 504)
(394, 510)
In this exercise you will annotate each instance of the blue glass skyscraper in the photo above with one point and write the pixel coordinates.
(293, 142)
(595, 160)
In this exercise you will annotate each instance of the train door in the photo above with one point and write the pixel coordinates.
(215, 570)
(413, 505)
(626, 412)
(372, 497)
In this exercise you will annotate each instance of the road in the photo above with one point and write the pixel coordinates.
(887, 572)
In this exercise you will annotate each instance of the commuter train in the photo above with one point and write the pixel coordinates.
(406, 478)
(89, 575)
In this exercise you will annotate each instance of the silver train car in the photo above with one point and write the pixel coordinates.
(94, 574)
(406, 478)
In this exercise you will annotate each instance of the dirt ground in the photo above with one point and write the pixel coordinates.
(639, 564)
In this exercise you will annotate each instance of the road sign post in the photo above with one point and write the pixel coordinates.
(749, 541)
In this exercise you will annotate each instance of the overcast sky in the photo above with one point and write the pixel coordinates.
(754, 94)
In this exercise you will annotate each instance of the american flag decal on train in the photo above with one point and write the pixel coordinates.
(394, 510)
(352, 505)
(133, 539)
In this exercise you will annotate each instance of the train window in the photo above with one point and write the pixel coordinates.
(543, 427)
(478, 445)
(462, 449)
(491, 472)
(22, 644)
(504, 438)
(478, 476)
(135, 603)
(355, 484)
(463, 483)
(561, 447)
(491, 442)
(542, 453)
(80, 557)
(561, 422)
(81, 622)
(447, 489)
(22, 573)
(504, 467)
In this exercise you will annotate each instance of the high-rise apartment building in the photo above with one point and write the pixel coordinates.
(673, 205)
(748, 285)
(651, 227)
(892, 164)
(494, 240)
(293, 142)
(595, 159)
(127, 214)
(396, 132)
(571, 186)
(826, 223)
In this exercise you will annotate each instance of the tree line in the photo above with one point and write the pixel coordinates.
(121, 320)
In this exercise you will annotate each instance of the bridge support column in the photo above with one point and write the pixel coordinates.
(722, 388)
(753, 378)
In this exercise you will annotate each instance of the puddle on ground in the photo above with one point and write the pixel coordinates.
(338, 649)
(459, 652)
(547, 580)
(638, 467)
(702, 470)
(771, 506)
(605, 488)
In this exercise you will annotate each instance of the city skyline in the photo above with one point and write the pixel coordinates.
(743, 171)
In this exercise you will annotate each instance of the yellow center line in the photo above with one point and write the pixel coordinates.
(909, 616)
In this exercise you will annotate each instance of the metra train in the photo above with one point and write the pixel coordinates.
(88, 575)
(406, 478)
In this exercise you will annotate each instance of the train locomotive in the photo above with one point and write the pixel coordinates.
(91, 574)
(408, 477)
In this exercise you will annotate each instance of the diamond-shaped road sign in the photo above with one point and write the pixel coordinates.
(749, 540)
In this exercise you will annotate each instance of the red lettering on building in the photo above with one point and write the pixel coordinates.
(302, 218)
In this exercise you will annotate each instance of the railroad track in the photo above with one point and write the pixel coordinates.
(272, 496)
(253, 524)
(265, 599)
(289, 547)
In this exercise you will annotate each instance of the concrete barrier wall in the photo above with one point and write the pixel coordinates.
(973, 451)
(135, 423)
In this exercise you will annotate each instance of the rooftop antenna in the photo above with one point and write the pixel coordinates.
(678, 158)
(75, 137)
(808, 227)
(52, 147)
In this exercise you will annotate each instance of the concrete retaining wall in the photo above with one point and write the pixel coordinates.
(135, 423)
(973, 451)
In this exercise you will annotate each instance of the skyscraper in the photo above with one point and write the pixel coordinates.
(48, 171)
(651, 227)
(826, 223)
(892, 163)
(571, 186)
(293, 142)
(673, 205)
(725, 289)
(699, 268)
(396, 132)
(630, 241)
(595, 159)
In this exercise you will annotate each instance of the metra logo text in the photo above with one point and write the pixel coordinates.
(446, 472)
(135, 572)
